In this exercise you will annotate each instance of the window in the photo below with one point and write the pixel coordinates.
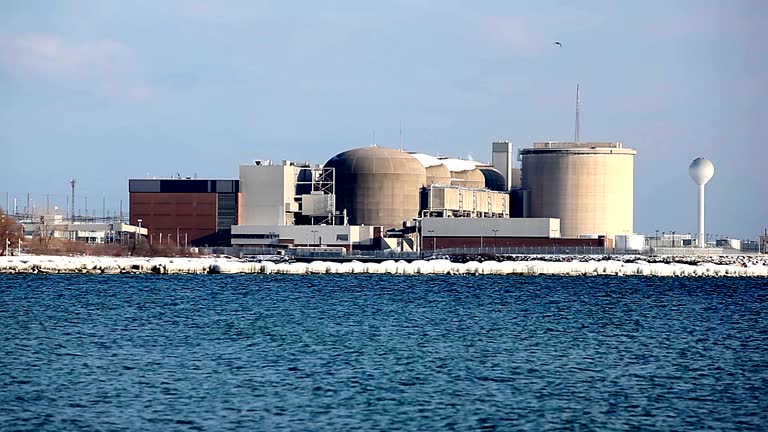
(255, 236)
(227, 211)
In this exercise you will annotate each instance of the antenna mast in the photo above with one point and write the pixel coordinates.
(578, 99)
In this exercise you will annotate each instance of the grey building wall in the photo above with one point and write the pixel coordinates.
(490, 227)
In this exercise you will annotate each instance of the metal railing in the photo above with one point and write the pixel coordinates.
(490, 252)
(524, 250)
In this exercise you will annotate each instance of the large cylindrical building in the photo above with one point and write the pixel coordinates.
(377, 185)
(588, 186)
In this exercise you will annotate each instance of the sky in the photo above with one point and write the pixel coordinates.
(107, 90)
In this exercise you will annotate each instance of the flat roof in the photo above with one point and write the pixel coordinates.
(581, 147)
(580, 144)
(183, 185)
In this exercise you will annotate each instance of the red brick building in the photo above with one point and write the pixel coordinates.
(185, 211)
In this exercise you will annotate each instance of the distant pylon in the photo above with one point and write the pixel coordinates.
(72, 182)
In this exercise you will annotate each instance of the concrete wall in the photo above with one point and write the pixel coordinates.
(502, 160)
(305, 235)
(477, 227)
(267, 194)
(517, 178)
(590, 190)
(317, 204)
(431, 243)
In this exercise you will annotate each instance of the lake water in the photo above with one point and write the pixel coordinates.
(367, 352)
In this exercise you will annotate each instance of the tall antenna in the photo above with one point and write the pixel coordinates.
(578, 99)
(401, 136)
(373, 140)
(72, 182)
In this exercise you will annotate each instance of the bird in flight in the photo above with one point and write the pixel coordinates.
(558, 44)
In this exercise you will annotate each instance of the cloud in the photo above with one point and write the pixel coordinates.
(101, 66)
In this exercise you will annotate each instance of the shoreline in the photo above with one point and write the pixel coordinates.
(564, 265)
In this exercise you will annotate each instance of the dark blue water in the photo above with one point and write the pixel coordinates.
(382, 353)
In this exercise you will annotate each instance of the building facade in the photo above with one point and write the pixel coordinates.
(185, 211)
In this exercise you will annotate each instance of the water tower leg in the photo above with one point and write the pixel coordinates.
(702, 236)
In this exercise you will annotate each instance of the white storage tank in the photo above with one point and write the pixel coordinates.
(629, 242)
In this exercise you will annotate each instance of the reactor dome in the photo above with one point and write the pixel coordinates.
(701, 170)
(437, 173)
(494, 180)
(377, 185)
(464, 173)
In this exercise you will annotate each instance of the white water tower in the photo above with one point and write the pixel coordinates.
(701, 171)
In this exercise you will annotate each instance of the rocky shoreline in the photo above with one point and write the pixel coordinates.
(706, 266)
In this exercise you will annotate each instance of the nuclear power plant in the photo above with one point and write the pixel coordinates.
(564, 194)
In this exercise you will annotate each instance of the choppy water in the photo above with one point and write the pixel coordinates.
(382, 353)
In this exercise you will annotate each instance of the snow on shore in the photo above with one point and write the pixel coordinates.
(575, 267)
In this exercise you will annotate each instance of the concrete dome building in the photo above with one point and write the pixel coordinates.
(437, 173)
(464, 173)
(377, 185)
(494, 179)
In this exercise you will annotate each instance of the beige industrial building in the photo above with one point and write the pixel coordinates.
(589, 186)
(457, 201)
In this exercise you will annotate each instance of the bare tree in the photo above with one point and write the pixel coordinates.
(44, 232)
(10, 232)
